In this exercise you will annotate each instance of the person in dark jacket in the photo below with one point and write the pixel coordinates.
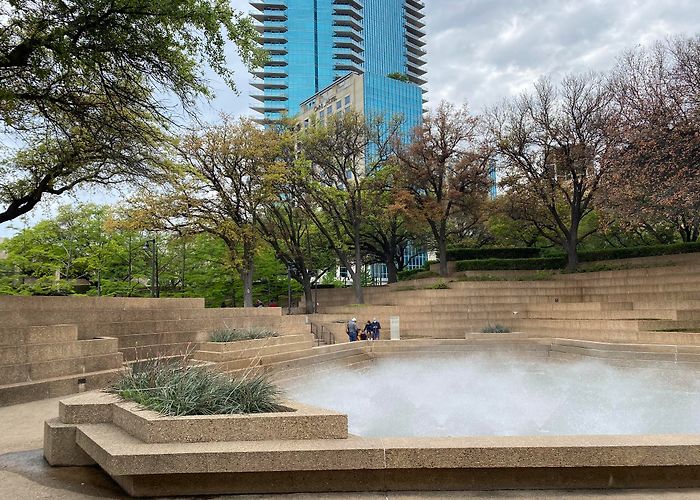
(376, 329)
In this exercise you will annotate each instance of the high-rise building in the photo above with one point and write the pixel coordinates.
(313, 43)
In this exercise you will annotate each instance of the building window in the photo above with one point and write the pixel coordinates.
(338, 104)
(343, 272)
(329, 110)
(347, 100)
(321, 115)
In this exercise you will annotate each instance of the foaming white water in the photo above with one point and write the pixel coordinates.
(506, 396)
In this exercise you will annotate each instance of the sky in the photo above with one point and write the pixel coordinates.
(482, 51)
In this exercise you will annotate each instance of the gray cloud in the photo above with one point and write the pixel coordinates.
(482, 51)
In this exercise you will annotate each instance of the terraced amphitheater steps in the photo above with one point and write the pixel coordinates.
(220, 352)
(626, 351)
(315, 357)
(39, 362)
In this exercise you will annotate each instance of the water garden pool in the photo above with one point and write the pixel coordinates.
(506, 395)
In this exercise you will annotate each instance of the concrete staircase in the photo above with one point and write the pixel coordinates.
(145, 328)
(648, 305)
(41, 357)
(39, 362)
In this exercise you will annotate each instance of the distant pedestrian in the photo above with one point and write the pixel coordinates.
(351, 330)
(259, 303)
(366, 331)
(376, 329)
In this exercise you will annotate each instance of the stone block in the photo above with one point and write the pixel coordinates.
(60, 447)
(51, 334)
(302, 422)
(88, 408)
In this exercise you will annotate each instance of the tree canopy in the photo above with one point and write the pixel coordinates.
(87, 86)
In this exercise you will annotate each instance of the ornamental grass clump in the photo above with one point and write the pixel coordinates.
(177, 389)
(495, 329)
(236, 334)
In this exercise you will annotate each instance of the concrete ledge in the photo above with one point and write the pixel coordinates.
(60, 446)
(359, 464)
(300, 422)
(411, 480)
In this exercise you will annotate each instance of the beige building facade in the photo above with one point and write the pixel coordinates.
(343, 95)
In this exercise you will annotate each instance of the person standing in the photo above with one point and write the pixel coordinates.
(351, 329)
(376, 329)
(366, 331)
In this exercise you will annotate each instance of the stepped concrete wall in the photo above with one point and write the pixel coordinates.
(648, 305)
(39, 358)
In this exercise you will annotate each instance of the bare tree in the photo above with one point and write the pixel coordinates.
(657, 90)
(443, 172)
(555, 148)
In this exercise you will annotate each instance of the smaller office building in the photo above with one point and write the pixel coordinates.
(343, 95)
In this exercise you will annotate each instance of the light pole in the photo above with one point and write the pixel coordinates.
(289, 290)
(152, 251)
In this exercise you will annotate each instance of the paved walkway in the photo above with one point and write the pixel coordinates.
(25, 475)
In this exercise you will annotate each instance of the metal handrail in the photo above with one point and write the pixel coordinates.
(322, 334)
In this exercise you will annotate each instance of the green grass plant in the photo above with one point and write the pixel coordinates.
(174, 388)
(495, 329)
(238, 334)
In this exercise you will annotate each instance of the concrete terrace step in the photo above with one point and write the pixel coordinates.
(69, 315)
(627, 347)
(144, 352)
(155, 338)
(12, 394)
(318, 368)
(669, 314)
(117, 329)
(635, 355)
(27, 372)
(34, 353)
(252, 352)
(36, 304)
(301, 359)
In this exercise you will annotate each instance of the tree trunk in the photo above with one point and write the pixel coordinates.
(309, 299)
(442, 248)
(357, 279)
(571, 248)
(392, 274)
(246, 274)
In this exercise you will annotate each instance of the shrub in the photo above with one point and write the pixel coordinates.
(418, 273)
(402, 77)
(176, 389)
(459, 253)
(512, 264)
(559, 261)
(234, 335)
(495, 329)
(631, 252)
(440, 285)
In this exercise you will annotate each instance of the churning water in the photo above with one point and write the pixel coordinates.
(506, 396)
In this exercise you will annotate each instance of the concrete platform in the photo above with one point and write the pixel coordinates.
(210, 466)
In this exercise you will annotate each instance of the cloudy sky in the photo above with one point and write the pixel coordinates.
(481, 51)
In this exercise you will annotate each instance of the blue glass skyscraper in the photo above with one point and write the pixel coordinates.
(312, 43)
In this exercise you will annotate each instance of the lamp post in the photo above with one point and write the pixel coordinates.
(152, 251)
(289, 289)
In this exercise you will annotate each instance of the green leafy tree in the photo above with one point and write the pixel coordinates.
(342, 157)
(82, 86)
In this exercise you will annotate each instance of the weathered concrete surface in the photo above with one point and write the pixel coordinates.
(25, 475)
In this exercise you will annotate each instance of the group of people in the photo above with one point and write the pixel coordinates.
(371, 330)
